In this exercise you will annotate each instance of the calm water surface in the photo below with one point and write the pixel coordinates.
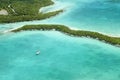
(63, 57)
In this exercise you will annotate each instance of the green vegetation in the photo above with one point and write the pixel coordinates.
(10, 19)
(25, 10)
(24, 7)
(64, 29)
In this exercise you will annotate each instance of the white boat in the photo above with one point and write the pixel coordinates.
(38, 52)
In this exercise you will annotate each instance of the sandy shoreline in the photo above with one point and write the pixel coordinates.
(56, 6)
(112, 35)
(3, 12)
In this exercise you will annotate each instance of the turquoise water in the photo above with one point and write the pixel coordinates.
(63, 57)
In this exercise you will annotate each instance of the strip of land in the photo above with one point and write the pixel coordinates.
(67, 30)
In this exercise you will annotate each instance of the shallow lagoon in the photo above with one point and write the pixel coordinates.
(63, 57)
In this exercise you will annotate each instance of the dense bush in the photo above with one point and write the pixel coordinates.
(24, 7)
(25, 10)
(11, 19)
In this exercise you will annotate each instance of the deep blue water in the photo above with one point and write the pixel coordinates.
(63, 57)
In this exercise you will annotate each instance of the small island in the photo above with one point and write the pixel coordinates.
(71, 32)
(24, 10)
